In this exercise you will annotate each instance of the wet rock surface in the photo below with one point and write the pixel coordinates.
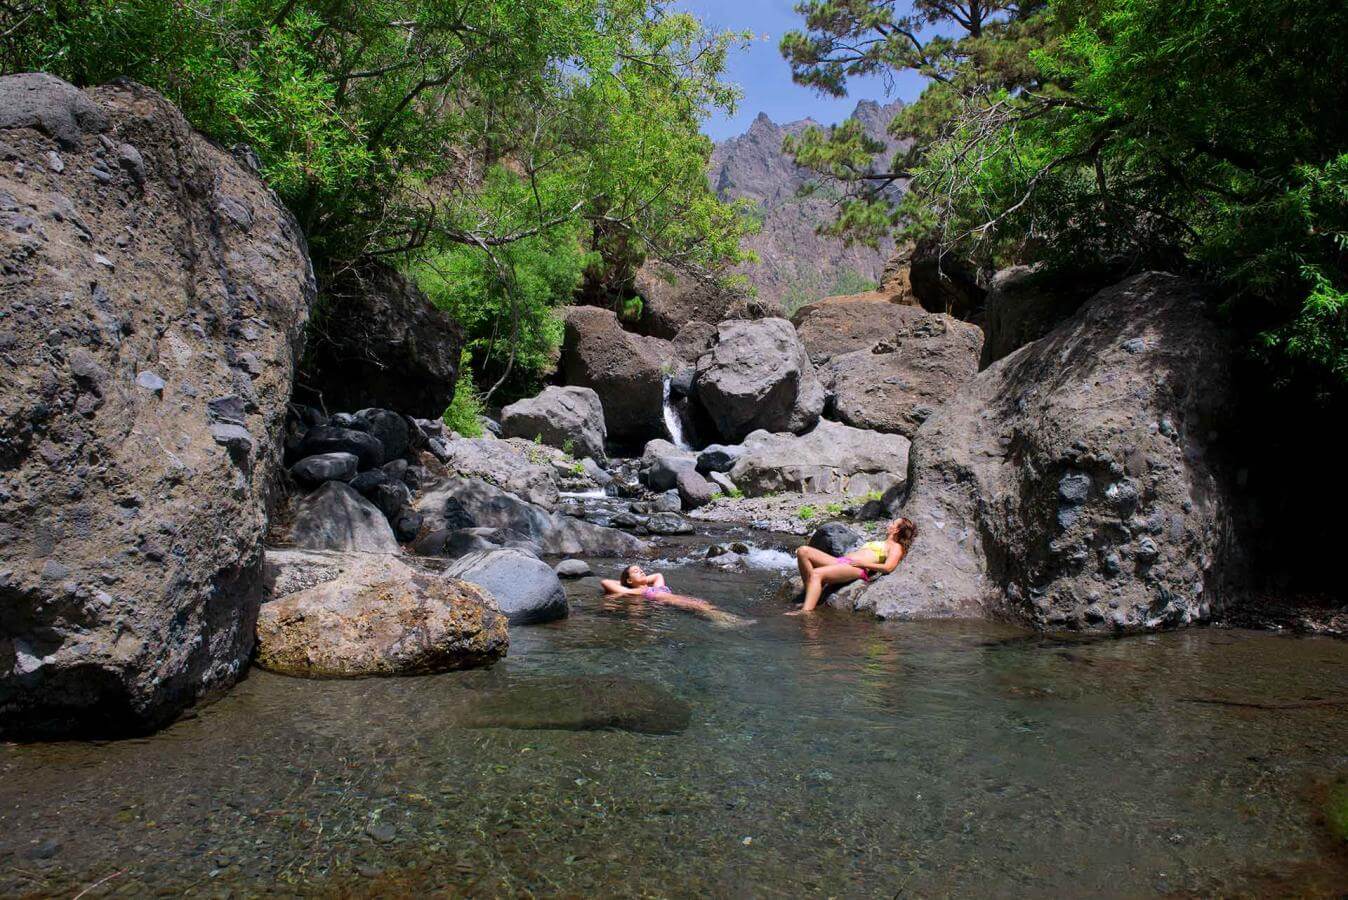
(353, 615)
(154, 294)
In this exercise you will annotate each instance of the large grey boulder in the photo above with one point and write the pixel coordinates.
(831, 459)
(335, 517)
(1024, 304)
(457, 503)
(314, 470)
(623, 369)
(899, 382)
(835, 538)
(153, 315)
(1073, 484)
(569, 418)
(524, 587)
(382, 344)
(515, 467)
(841, 325)
(758, 376)
(671, 299)
(694, 490)
(353, 615)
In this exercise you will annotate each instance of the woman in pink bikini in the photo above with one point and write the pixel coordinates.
(633, 582)
(869, 560)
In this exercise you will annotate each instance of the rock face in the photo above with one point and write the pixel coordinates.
(570, 418)
(458, 503)
(838, 325)
(154, 295)
(1023, 305)
(898, 383)
(380, 343)
(943, 283)
(508, 464)
(1073, 484)
(335, 517)
(671, 299)
(623, 369)
(525, 587)
(335, 615)
(795, 261)
(831, 459)
(758, 376)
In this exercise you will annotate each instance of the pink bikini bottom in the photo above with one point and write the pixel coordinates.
(849, 561)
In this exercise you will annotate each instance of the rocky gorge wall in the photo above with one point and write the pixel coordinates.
(153, 296)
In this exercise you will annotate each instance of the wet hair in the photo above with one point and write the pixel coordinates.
(905, 531)
(625, 576)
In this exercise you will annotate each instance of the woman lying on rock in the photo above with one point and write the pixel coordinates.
(633, 582)
(873, 558)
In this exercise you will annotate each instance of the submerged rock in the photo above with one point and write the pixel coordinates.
(352, 615)
(132, 512)
(580, 704)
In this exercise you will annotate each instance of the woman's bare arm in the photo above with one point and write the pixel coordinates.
(616, 588)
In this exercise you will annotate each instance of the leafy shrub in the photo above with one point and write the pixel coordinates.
(464, 410)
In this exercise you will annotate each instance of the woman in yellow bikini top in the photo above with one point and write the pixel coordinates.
(818, 569)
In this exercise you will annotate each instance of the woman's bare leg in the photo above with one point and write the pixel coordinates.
(808, 558)
(834, 574)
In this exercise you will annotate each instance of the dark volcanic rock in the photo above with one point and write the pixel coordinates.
(382, 344)
(622, 368)
(132, 509)
(836, 326)
(899, 382)
(367, 448)
(569, 418)
(591, 703)
(1074, 483)
(1024, 305)
(758, 376)
(314, 470)
(835, 538)
(335, 517)
(524, 587)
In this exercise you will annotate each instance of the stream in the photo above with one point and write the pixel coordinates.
(634, 750)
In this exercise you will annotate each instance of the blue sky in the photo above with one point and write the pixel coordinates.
(766, 78)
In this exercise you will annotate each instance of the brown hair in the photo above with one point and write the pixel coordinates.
(905, 532)
(625, 577)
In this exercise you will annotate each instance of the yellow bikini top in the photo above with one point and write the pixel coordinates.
(876, 547)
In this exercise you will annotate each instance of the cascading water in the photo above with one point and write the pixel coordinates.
(673, 424)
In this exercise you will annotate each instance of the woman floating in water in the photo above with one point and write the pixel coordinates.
(817, 568)
(633, 582)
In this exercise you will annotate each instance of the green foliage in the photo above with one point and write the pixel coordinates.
(833, 509)
(464, 410)
(632, 309)
(807, 512)
(482, 140)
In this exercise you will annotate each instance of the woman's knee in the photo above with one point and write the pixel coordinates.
(803, 551)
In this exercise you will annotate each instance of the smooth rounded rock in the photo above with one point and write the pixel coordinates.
(314, 470)
(525, 587)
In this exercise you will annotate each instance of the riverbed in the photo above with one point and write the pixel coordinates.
(630, 750)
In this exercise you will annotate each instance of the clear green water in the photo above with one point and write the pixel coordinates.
(834, 756)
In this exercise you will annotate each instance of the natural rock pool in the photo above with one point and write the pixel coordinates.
(833, 755)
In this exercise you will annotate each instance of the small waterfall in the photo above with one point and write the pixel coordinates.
(673, 424)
